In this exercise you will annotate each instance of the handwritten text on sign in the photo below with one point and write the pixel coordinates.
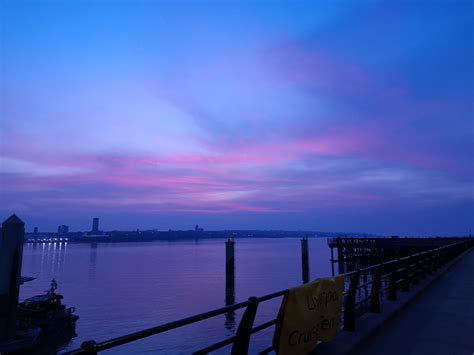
(309, 313)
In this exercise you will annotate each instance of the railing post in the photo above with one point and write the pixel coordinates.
(429, 263)
(375, 291)
(422, 266)
(442, 257)
(436, 261)
(349, 305)
(406, 275)
(433, 261)
(439, 259)
(89, 347)
(414, 270)
(392, 283)
(241, 343)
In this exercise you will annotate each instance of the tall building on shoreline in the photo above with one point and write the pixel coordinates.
(63, 229)
(95, 225)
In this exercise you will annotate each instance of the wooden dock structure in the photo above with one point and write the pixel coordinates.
(355, 253)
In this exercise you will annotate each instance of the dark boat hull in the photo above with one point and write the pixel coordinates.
(51, 322)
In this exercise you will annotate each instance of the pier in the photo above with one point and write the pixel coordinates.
(394, 288)
(373, 295)
(354, 253)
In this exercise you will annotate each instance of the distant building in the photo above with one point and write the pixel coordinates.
(95, 228)
(63, 229)
(35, 230)
(95, 225)
(198, 229)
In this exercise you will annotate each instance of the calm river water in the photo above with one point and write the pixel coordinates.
(125, 287)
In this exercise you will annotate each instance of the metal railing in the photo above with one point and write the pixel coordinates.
(379, 281)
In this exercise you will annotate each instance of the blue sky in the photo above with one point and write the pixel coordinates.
(323, 115)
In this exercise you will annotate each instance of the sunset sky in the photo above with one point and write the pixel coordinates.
(323, 115)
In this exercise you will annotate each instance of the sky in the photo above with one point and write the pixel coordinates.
(344, 116)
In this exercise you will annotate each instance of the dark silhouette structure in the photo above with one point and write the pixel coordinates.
(198, 229)
(11, 253)
(62, 230)
(305, 259)
(95, 225)
(355, 253)
(229, 283)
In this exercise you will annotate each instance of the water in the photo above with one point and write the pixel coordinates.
(125, 287)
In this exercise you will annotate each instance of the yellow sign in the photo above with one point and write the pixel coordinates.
(307, 314)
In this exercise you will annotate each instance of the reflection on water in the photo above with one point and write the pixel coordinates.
(125, 287)
(49, 258)
(230, 299)
(92, 260)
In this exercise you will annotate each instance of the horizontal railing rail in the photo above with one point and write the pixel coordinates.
(387, 279)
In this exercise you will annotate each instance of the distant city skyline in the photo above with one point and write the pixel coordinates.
(349, 116)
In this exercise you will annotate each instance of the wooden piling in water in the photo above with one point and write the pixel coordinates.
(230, 271)
(229, 257)
(305, 259)
(229, 282)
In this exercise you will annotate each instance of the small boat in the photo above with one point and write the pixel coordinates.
(47, 312)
